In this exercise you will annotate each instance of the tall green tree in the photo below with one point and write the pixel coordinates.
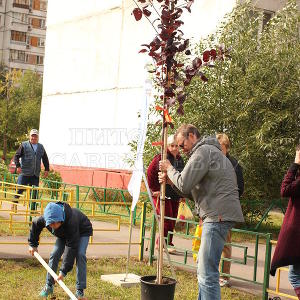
(20, 103)
(253, 96)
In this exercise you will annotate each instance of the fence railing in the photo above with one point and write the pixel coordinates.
(96, 201)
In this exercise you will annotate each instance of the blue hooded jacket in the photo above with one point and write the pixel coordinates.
(54, 212)
(75, 224)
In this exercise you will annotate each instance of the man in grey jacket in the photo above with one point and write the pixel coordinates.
(28, 160)
(209, 179)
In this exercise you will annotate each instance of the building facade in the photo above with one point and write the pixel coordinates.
(23, 34)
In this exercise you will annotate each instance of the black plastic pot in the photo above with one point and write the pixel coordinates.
(153, 291)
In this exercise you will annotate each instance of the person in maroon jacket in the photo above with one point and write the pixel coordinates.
(287, 251)
(172, 198)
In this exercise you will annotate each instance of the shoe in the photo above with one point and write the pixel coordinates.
(14, 208)
(46, 291)
(171, 250)
(80, 295)
(224, 282)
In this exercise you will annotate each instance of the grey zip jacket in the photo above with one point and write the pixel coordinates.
(209, 179)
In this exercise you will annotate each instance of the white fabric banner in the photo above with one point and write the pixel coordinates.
(134, 186)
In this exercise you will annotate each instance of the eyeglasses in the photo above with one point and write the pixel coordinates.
(182, 144)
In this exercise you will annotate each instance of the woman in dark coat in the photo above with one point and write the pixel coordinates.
(287, 250)
(172, 198)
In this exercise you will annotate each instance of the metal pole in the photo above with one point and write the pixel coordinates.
(53, 274)
(142, 232)
(129, 246)
(267, 266)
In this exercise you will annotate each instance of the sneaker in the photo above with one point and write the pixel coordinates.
(80, 295)
(171, 250)
(224, 282)
(46, 291)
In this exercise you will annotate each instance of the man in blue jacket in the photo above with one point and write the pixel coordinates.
(72, 229)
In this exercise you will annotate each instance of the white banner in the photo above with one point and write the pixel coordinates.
(134, 186)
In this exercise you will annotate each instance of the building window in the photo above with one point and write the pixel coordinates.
(38, 23)
(43, 5)
(17, 55)
(267, 16)
(39, 60)
(20, 18)
(34, 59)
(41, 42)
(18, 36)
(21, 3)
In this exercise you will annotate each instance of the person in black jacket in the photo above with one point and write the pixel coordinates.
(225, 145)
(72, 229)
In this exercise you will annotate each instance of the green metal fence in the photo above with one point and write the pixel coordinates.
(247, 258)
(97, 194)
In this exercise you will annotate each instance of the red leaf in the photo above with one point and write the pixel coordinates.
(197, 63)
(213, 54)
(143, 51)
(157, 143)
(180, 110)
(203, 77)
(206, 56)
(170, 101)
(187, 81)
(137, 12)
(181, 97)
(146, 12)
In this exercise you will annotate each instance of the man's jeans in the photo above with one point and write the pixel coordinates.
(58, 251)
(27, 180)
(294, 276)
(31, 181)
(212, 243)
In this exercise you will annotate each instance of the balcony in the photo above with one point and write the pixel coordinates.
(20, 5)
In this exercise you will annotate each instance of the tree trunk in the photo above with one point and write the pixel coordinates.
(4, 145)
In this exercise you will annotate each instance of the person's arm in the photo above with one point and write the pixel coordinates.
(38, 224)
(45, 161)
(18, 155)
(240, 179)
(195, 169)
(152, 174)
(290, 186)
(72, 242)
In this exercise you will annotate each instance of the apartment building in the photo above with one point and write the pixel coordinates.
(23, 34)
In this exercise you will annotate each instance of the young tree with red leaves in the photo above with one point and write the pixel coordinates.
(170, 75)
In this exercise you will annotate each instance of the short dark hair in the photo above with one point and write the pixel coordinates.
(186, 129)
(298, 147)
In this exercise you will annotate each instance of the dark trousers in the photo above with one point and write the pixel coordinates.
(171, 210)
(31, 181)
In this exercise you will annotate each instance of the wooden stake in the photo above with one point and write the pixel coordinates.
(54, 275)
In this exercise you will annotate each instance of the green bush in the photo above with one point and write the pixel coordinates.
(53, 181)
(4, 172)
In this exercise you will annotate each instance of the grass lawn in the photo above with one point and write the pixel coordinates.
(24, 280)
